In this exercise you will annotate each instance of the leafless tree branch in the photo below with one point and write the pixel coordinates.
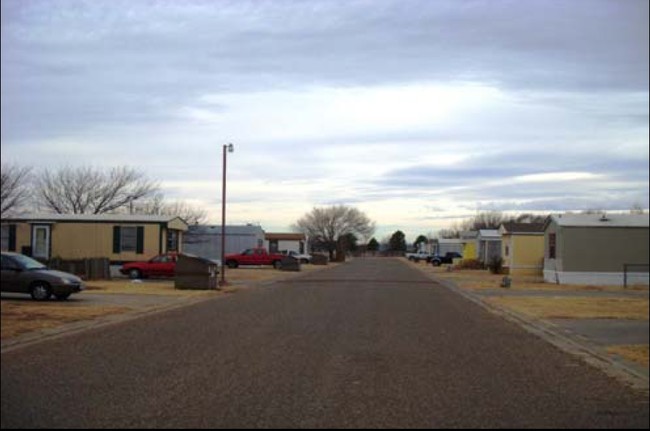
(14, 188)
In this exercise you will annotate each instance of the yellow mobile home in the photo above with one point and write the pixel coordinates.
(117, 237)
(522, 248)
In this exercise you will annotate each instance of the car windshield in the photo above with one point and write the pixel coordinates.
(28, 262)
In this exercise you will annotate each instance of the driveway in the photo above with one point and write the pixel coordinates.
(369, 344)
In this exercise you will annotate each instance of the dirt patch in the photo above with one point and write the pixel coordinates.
(635, 352)
(563, 307)
(22, 317)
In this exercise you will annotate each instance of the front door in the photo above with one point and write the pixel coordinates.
(41, 241)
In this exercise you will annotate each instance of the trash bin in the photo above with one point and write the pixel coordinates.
(290, 263)
(194, 272)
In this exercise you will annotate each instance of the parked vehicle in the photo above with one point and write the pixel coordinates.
(22, 274)
(420, 255)
(163, 265)
(254, 256)
(302, 257)
(448, 257)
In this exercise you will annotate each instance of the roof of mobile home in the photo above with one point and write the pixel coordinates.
(600, 220)
(106, 218)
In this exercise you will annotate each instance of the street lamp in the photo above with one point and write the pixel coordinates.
(229, 148)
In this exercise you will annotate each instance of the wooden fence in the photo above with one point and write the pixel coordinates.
(88, 269)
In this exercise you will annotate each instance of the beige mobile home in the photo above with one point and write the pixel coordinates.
(596, 249)
(117, 237)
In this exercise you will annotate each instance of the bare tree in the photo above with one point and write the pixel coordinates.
(487, 220)
(192, 214)
(637, 208)
(87, 190)
(14, 188)
(325, 226)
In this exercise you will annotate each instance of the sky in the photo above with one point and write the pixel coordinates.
(418, 113)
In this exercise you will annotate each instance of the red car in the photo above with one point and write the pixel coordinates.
(163, 265)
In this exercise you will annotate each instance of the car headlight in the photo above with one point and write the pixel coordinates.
(67, 281)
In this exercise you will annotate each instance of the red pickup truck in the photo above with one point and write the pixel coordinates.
(254, 256)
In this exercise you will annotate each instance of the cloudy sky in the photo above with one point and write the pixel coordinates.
(419, 113)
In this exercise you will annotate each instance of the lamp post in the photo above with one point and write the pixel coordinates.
(226, 148)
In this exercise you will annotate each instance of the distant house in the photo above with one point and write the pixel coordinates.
(489, 245)
(205, 240)
(276, 242)
(596, 249)
(469, 239)
(522, 248)
(118, 237)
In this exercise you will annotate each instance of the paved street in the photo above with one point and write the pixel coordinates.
(373, 343)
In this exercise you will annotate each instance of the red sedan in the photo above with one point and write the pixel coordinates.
(163, 265)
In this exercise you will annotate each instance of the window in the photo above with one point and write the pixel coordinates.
(129, 238)
(551, 246)
(507, 250)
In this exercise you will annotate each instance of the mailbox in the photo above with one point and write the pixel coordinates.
(194, 272)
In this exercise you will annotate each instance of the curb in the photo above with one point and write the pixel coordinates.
(573, 344)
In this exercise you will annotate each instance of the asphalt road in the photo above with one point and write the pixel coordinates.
(369, 344)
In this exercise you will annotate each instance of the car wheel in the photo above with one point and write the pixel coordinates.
(134, 274)
(41, 291)
(435, 262)
(277, 264)
(62, 296)
(305, 261)
(231, 264)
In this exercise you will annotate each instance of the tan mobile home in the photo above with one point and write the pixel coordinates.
(117, 237)
(596, 249)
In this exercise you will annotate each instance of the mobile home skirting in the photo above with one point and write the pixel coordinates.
(596, 278)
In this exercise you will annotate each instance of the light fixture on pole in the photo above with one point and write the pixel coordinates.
(226, 148)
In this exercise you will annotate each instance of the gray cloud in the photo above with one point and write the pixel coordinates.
(129, 61)
(111, 77)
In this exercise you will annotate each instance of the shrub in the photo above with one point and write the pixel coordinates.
(471, 264)
(495, 265)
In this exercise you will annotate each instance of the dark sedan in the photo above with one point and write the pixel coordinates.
(22, 274)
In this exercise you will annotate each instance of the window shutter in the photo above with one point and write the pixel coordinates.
(139, 247)
(117, 246)
(12, 237)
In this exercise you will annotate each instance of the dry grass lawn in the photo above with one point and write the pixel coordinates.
(635, 352)
(27, 316)
(237, 278)
(563, 307)
(140, 287)
(483, 279)
(22, 317)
